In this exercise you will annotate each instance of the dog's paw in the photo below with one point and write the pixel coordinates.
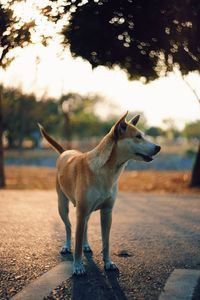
(78, 269)
(87, 249)
(110, 266)
(65, 250)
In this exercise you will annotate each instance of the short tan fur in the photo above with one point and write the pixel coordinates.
(89, 181)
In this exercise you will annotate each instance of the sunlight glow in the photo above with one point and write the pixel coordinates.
(51, 72)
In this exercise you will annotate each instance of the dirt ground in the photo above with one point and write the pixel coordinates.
(130, 181)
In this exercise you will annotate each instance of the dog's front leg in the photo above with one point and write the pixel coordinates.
(78, 268)
(106, 221)
(86, 246)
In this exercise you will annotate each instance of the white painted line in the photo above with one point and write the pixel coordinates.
(42, 286)
(180, 285)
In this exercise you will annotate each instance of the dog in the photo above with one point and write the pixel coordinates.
(89, 181)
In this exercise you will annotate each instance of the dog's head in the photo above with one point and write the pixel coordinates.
(132, 142)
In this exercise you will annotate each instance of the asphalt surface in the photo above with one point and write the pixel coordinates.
(151, 236)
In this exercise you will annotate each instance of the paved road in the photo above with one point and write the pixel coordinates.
(151, 236)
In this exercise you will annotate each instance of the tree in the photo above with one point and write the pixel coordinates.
(172, 131)
(147, 39)
(195, 179)
(2, 175)
(79, 114)
(18, 118)
(192, 130)
(14, 33)
(22, 113)
(154, 131)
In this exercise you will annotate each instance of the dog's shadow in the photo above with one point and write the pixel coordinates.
(96, 284)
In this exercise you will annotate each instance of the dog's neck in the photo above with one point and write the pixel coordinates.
(100, 154)
(106, 155)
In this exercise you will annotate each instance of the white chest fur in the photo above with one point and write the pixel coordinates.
(99, 197)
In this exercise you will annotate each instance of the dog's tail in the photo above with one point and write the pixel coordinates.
(51, 141)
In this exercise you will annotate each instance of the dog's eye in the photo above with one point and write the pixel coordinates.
(138, 136)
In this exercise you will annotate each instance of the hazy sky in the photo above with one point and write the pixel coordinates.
(164, 98)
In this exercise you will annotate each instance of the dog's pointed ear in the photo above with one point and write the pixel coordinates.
(120, 127)
(134, 120)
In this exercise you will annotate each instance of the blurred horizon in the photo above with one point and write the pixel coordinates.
(49, 76)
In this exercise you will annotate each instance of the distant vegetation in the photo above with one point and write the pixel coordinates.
(192, 130)
(70, 117)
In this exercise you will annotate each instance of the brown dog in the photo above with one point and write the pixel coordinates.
(89, 181)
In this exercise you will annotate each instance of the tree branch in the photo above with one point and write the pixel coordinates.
(191, 88)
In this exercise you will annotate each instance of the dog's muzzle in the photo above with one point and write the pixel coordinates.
(149, 158)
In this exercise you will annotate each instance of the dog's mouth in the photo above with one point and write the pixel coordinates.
(144, 156)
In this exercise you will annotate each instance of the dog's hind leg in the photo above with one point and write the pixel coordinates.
(78, 268)
(63, 208)
(86, 246)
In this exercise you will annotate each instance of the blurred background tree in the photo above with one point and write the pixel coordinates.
(13, 34)
(171, 131)
(192, 130)
(79, 115)
(155, 131)
(147, 39)
(22, 112)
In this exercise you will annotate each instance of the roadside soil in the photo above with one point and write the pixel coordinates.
(43, 178)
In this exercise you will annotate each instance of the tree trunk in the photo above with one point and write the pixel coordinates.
(68, 131)
(11, 141)
(2, 174)
(195, 179)
(22, 127)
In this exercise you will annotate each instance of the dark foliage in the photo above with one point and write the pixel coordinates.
(13, 33)
(145, 38)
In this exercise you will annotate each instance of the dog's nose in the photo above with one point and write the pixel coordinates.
(157, 148)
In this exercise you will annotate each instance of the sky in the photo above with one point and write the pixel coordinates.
(58, 73)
